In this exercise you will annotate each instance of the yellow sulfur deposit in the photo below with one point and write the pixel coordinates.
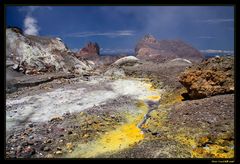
(154, 98)
(186, 140)
(213, 151)
(124, 136)
(150, 87)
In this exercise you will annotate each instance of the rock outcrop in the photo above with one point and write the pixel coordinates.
(36, 54)
(211, 77)
(117, 68)
(150, 49)
(90, 51)
(179, 61)
(126, 61)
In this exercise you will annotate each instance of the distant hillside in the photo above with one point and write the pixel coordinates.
(151, 49)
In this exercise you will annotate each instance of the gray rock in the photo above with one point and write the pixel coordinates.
(46, 148)
(36, 54)
(126, 61)
(117, 68)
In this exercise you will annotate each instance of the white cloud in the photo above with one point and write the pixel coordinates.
(30, 26)
(107, 34)
(216, 20)
(206, 37)
(217, 51)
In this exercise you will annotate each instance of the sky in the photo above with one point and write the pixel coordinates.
(119, 28)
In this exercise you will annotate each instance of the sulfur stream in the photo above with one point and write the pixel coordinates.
(125, 135)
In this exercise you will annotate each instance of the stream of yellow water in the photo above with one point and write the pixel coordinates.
(122, 137)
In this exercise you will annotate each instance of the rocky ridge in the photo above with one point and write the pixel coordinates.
(90, 51)
(36, 54)
(150, 49)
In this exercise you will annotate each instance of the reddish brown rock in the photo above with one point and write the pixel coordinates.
(151, 49)
(211, 77)
(90, 51)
